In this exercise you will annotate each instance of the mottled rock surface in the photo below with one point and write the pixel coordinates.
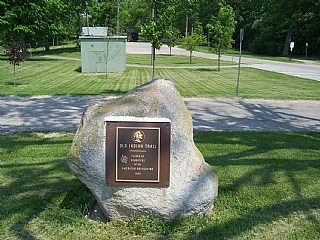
(193, 185)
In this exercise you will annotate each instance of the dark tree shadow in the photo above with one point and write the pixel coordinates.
(114, 92)
(266, 174)
(33, 186)
(42, 59)
(231, 115)
(57, 51)
(13, 84)
(79, 70)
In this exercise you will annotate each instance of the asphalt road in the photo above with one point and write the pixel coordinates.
(309, 70)
(63, 113)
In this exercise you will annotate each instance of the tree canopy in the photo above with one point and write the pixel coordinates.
(266, 22)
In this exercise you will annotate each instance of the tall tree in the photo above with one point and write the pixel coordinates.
(78, 8)
(162, 13)
(267, 23)
(187, 12)
(222, 29)
(30, 19)
(103, 14)
(134, 14)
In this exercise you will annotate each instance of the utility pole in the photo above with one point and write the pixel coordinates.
(118, 18)
(153, 53)
(87, 18)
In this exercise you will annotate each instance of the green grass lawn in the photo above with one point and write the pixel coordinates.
(43, 76)
(140, 59)
(247, 54)
(173, 60)
(268, 189)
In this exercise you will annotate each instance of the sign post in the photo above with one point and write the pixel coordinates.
(241, 39)
(291, 49)
(307, 44)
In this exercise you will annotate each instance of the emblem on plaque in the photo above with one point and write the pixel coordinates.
(124, 159)
(138, 153)
(138, 136)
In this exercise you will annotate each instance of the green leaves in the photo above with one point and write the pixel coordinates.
(222, 28)
(191, 41)
(157, 28)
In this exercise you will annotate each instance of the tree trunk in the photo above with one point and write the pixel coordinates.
(187, 24)
(153, 62)
(219, 58)
(285, 52)
(170, 50)
(14, 74)
(190, 59)
(22, 43)
(79, 28)
(46, 45)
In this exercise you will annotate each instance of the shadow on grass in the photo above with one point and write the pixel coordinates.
(206, 70)
(226, 115)
(32, 187)
(78, 70)
(13, 84)
(58, 51)
(237, 226)
(263, 173)
(114, 92)
(42, 59)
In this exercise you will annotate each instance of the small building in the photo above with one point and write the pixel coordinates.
(101, 53)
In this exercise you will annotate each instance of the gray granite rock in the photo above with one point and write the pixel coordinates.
(193, 185)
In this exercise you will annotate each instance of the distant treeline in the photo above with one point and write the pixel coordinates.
(266, 22)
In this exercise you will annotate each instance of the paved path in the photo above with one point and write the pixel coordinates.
(310, 70)
(63, 113)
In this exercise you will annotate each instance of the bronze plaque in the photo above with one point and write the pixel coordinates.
(138, 152)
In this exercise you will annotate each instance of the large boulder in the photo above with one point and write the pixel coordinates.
(193, 185)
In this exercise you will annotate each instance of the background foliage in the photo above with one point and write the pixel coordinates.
(266, 22)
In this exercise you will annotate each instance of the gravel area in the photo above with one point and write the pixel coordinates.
(63, 113)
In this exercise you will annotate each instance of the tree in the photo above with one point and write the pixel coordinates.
(172, 35)
(15, 56)
(157, 27)
(134, 14)
(222, 29)
(191, 41)
(34, 20)
(267, 23)
(187, 15)
(78, 8)
(103, 14)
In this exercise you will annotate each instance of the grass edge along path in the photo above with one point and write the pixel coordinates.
(40, 76)
(268, 189)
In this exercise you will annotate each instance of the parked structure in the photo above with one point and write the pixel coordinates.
(101, 53)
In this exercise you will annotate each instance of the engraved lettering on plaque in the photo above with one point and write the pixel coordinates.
(137, 154)
(137, 151)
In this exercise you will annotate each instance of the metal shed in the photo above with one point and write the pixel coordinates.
(101, 54)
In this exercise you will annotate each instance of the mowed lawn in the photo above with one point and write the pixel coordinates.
(268, 181)
(44, 76)
(268, 189)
